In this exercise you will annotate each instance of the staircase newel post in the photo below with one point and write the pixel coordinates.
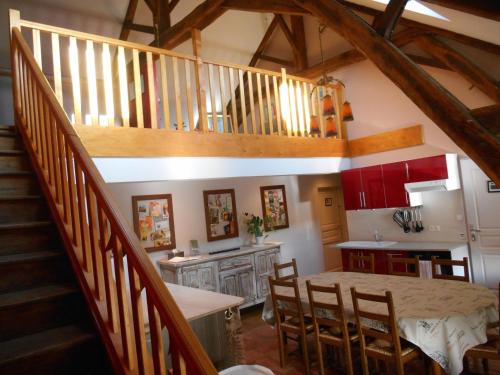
(15, 22)
(201, 96)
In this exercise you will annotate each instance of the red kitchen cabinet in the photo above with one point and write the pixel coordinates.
(427, 169)
(373, 187)
(381, 257)
(394, 177)
(352, 188)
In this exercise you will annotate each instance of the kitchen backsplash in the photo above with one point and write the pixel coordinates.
(441, 210)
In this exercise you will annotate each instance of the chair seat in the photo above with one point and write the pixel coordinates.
(336, 333)
(294, 323)
(490, 350)
(385, 348)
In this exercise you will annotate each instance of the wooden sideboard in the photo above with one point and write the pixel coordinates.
(242, 272)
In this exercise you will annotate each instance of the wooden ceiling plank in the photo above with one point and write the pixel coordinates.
(202, 16)
(433, 99)
(482, 8)
(460, 64)
(129, 18)
(387, 21)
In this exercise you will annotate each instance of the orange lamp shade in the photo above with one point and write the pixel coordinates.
(315, 125)
(331, 127)
(328, 108)
(347, 112)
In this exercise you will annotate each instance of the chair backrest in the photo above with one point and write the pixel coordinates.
(411, 266)
(283, 266)
(286, 300)
(494, 328)
(334, 308)
(450, 263)
(387, 320)
(362, 263)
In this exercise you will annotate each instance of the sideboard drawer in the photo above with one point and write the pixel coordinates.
(230, 263)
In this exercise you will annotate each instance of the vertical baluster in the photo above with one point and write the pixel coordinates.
(177, 94)
(64, 177)
(54, 157)
(223, 97)
(232, 88)
(252, 104)
(91, 83)
(75, 79)
(37, 50)
(82, 214)
(164, 92)
(293, 108)
(211, 82)
(269, 107)
(108, 84)
(56, 66)
(285, 102)
(277, 103)
(176, 358)
(152, 91)
(243, 101)
(339, 100)
(94, 241)
(36, 119)
(123, 86)
(31, 109)
(43, 135)
(47, 131)
(189, 95)
(72, 196)
(138, 320)
(320, 112)
(106, 243)
(307, 111)
(300, 109)
(156, 337)
(137, 89)
(125, 328)
(261, 106)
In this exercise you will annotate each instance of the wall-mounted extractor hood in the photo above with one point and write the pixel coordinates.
(451, 183)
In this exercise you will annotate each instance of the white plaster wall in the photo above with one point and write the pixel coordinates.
(440, 208)
(301, 240)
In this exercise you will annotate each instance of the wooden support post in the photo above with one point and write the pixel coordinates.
(201, 96)
(299, 35)
(129, 18)
(386, 22)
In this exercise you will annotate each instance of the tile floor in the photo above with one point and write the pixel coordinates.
(260, 347)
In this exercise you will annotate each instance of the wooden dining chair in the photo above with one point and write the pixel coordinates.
(362, 263)
(385, 346)
(491, 349)
(435, 261)
(331, 327)
(289, 317)
(411, 265)
(278, 268)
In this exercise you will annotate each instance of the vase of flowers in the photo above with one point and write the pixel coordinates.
(255, 226)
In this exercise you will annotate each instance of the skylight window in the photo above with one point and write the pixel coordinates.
(415, 6)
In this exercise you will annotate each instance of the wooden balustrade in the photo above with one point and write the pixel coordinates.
(119, 281)
(113, 83)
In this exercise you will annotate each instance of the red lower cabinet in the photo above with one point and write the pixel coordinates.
(381, 259)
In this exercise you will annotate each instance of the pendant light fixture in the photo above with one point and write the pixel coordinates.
(314, 126)
(331, 127)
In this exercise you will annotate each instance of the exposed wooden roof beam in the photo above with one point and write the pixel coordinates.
(141, 28)
(482, 8)
(428, 61)
(288, 34)
(299, 35)
(151, 5)
(277, 60)
(265, 40)
(129, 18)
(489, 116)
(171, 5)
(460, 64)
(202, 16)
(385, 23)
(433, 99)
(265, 6)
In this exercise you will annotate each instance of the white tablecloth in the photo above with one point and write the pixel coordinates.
(444, 318)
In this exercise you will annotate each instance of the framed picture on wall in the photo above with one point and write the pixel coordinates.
(274, 206)
(220, 214)
(154, 221)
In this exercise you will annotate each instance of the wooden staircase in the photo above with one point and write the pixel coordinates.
(45, 326)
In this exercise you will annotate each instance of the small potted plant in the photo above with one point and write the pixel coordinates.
(255, 226)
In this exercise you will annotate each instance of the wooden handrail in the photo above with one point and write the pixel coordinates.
(246, 100)
(96, 234)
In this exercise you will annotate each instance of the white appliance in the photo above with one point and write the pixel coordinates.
(451, 183)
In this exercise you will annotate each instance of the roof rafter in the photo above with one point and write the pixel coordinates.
(385, 23)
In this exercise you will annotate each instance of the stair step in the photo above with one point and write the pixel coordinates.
(10, 140)
(27, 237)
(23, 208)
(18, 183)
(14, 160)
(29, 311)
(63, 350)
(29, 270)
(7, 152)
(7, 127)
(7, 133)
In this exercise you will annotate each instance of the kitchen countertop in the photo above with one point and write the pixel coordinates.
(411, 246)
(203, 258)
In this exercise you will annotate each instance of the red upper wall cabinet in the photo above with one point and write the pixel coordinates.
(352, 188)
(373, 187)
(427, 169)
(395, 176)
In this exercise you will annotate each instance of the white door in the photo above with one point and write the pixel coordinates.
(483, 219)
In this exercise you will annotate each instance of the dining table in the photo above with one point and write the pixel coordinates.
(444, 318)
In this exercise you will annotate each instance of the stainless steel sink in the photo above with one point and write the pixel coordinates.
(363, 244)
